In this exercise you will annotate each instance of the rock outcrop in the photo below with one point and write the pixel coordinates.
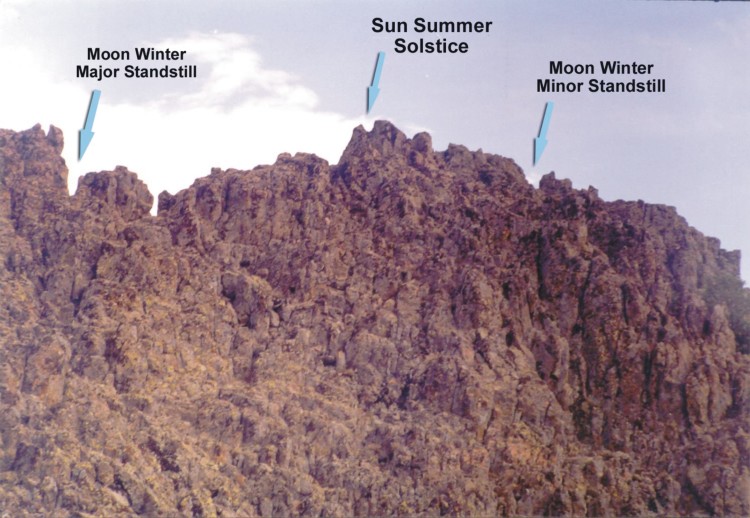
(408, 332)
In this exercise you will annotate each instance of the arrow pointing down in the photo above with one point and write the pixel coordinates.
(373, 90)
(541, 141)
(85, 135)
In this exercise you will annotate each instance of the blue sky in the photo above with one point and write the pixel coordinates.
(291, 75)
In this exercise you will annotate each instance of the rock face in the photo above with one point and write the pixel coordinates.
(408, 332)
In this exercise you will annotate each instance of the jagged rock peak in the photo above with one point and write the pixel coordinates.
(383, 140)
(55, 138)
(385, 143)
(120, 190)
(40, 153)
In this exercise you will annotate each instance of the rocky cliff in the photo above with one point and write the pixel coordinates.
(408, 332)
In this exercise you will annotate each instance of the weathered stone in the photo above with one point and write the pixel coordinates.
(406, 332)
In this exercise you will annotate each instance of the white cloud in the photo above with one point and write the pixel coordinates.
(240, 114)
(236, 73)
(9, 11)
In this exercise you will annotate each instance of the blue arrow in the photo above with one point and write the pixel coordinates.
(373, 90)
(85, 135)
(541, 141)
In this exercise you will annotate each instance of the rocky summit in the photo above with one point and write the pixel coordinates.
(409, 332)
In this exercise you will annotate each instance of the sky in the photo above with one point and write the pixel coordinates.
(291, 75)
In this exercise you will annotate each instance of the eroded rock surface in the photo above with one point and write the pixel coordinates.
(408, 332)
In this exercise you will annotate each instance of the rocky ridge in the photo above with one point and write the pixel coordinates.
(408, 332)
